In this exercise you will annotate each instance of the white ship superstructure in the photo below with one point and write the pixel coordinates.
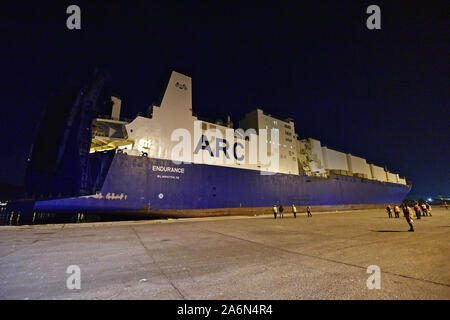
(159, 136)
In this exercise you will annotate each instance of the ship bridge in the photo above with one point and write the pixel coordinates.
(109, 132)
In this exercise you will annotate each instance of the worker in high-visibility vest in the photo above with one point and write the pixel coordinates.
(397, 211)
(424, 209)
(294, 211)
(275, 211)
(417, 210)
(428, 209)
(408, 216)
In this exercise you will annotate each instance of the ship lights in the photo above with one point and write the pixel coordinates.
(144, 145)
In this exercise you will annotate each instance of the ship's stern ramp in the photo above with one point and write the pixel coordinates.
(60, 165)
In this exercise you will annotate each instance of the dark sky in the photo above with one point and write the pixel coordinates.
(380, 94)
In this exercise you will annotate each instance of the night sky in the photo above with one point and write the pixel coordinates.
(380, 94)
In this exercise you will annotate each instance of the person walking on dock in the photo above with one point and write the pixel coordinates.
(281, 211)
(389, 210)
(397, 211)
(445, 205)
(424, 210)
(274, 211)
(407, 214)
(428, 208)
(308, 211)
(417, 210)
(294, 211)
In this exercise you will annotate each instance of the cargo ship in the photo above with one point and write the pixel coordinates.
(169, 162)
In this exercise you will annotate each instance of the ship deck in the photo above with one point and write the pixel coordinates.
(323, 257)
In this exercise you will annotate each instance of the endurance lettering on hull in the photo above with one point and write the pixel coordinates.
(167, 169)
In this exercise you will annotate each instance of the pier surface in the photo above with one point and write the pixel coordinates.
(323, 257)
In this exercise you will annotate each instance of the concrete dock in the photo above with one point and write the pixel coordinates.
(323, 257)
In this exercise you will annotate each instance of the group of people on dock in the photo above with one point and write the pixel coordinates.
(423, 209)
(280, 208)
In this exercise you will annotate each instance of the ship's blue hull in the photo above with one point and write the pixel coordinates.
(145, 185)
